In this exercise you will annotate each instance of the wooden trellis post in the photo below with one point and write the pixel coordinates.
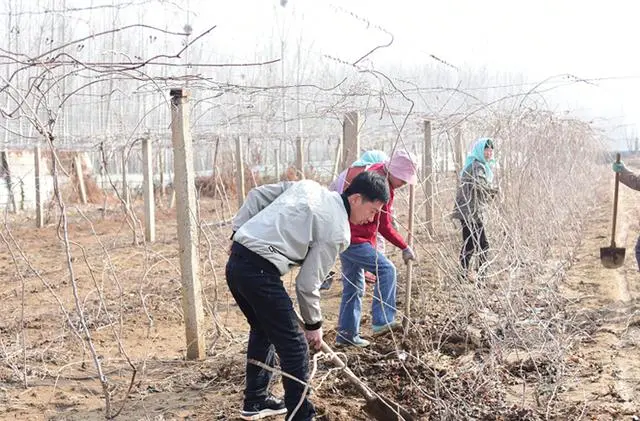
(162, 170)
(337, 161)
(429, 179)
(38, 173)
(458, 150)
(82, 191)
(300, 157)
(350, 139)
(147, 187)
(125, 186)
(240, 171)
(184, 188)
(407, 300)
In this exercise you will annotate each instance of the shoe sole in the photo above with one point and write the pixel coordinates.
(263, 414)
(386, 330)
(349, 345)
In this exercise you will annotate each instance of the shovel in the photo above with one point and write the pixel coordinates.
(378, 407)
(613, 257)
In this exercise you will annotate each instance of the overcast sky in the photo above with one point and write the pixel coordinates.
(539, 39)
(535, 40)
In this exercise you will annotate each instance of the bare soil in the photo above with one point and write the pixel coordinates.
(130, 297)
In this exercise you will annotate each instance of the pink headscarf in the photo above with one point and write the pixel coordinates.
(404, 165)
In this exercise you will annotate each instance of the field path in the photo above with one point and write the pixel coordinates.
(605, 301)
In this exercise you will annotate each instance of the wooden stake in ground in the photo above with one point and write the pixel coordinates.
(6, 173)
(184, 188)
(125, 186)
(300, 157)
(214, 167)
(147, 187)
(458, 150)
(428, 177)
(350, 139)
(39, 209)
(161, 170)
(336, 161)
(240, 171)
(407, 300)
(172, 200)
(82, 191)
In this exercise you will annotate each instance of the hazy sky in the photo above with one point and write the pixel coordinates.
(539, 39)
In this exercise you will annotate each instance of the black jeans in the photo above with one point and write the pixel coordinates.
(257, 288)
(638, 253)
(473, 240)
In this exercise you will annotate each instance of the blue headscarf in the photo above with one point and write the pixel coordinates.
(477, 154)
(370, 158)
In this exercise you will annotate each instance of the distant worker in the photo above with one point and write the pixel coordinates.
(474, 192)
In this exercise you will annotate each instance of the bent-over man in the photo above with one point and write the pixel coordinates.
(278, 227)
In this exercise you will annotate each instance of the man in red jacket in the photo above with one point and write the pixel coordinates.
(362, 255)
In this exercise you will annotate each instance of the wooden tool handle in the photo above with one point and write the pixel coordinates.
(355, 381)
(407, 302)
(362, 388)
(615, 205)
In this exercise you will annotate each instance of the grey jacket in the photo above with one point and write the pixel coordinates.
(296, 224)
(473, 195)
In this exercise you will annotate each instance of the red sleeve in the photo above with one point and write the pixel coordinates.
(386, 228)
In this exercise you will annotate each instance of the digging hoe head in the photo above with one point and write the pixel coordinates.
(382, 409)
(612, 257)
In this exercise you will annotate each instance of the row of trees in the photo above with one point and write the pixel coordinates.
(101, 72)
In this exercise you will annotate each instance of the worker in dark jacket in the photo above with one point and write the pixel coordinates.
(631, 180)
(475, 191)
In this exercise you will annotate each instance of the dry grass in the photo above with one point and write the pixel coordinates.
(520, 345)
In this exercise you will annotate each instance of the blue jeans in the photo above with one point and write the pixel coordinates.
(257, 288)
(355, 260)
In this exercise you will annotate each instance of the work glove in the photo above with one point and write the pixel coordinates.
(314, 338)
(617, 166)
(408, 254)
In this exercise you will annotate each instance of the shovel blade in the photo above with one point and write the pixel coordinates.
(612, 257)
